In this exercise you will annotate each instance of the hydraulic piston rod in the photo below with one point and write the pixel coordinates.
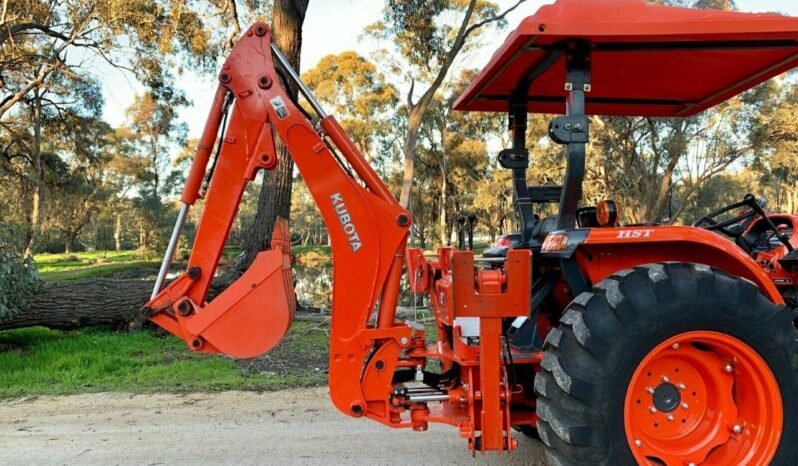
(295, 78)
(170, 250)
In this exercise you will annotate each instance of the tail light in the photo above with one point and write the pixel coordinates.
(555, 242)
(504, 241)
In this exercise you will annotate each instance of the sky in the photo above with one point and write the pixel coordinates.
(331, 27)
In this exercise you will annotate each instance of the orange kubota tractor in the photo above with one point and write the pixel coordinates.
(675, 346)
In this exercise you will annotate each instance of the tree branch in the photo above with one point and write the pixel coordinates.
(11, 31)
(236, 31)
(492, 19)
(410, 103)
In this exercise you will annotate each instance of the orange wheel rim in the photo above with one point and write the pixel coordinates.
(703, 398)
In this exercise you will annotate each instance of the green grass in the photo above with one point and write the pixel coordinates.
(62, 267)
(322, 250)
(38, 361)
(79, 265)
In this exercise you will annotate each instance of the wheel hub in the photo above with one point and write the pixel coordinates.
(703, 397)
(666, 397)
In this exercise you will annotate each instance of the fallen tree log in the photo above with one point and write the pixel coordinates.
(93, 302)
(112, 303)
(100, 302)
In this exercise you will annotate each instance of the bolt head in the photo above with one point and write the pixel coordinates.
(682, 386)
(357, 409)
(184, 308)
(665, 379)
(650, 390)
(264, 82)
(737, 429)
(669, 418)
(638, 443)
(729, 368)
(404, 341)
(685, 406)
(675, 346)
(652, 410)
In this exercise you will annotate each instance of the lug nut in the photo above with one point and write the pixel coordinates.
(669, 418)
(652, 410)
(665, 379)
(682, 386)
(685, 406)
(650, 390)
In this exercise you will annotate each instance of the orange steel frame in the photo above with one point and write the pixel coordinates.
(368, 230)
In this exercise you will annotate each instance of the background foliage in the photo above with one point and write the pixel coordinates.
(19, 280)
(69, 181)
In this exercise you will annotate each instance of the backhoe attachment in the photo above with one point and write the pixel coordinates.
(368, 228)
(378, 366)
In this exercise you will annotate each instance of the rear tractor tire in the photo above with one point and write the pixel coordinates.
(671, 364)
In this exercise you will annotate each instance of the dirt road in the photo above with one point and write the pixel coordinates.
(290, 427)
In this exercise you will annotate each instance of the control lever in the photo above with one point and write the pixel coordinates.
(461, 232)
(472, 220)
(758, 206)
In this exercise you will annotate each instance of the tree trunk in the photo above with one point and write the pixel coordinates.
(36, 211)
(142, 237)
(409, 151)
(442, 230)
(274, 200)
(95, 302)
(118, 233)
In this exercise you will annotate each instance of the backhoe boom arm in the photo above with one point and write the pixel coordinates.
(368, 228)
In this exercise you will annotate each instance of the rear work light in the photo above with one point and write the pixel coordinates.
(555, 242)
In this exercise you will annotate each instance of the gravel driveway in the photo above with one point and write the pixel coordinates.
(288, 427)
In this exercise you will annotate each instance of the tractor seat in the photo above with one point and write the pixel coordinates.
(539, 232)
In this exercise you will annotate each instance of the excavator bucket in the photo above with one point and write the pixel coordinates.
(251, 316)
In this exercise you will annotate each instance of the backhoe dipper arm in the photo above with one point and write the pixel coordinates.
(367, 227)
